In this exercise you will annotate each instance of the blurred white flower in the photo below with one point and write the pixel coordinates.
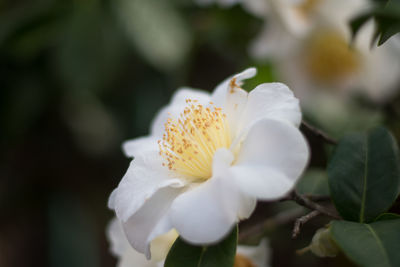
(255, 256)
(309, 42)
(320, 57)
(207, 159)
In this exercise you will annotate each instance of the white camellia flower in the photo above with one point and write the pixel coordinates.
(322, 58)
(207, 160)
(254, 256)
(310, 43)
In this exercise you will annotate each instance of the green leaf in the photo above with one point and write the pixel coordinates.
(387, 216)
(364, 175)
(369, 245)
(222, 254)
(314, 182)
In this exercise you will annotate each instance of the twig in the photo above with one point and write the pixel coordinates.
(317, 197)
(304, 201)
(302, 220)
(318, 133)
(270, 223)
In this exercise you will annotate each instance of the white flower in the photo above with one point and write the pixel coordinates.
(206, 161)
(257, 256)
(310, 43)
(312, 49)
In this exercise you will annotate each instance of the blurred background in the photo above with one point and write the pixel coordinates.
(77, 78)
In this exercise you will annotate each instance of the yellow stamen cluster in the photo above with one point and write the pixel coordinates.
(330, 58)
(189, 143)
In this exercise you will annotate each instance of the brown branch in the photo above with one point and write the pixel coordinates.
(302, 220)
(306, 202)
(270, 223)
(317, 198)
(318, 133)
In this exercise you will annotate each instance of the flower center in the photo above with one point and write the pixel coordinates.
(189, 143)
(243, 261)
(330, 58)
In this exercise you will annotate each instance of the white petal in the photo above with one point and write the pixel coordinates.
(140, 145)
(272, 100)
(256, 7)
(261, 182)
(161, 245)
(116, 236)
(144, 177)
(200, 215)
(232, 99)
(134, 258)
(271, 159)
(259, 255)
(220, 94)
(157, 125)
(151, 220)
(242, 204)
(206, 213)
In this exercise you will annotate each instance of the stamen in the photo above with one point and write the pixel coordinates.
(189, 143)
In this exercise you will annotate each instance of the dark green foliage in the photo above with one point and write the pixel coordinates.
(222, 254)
(369, 245)
(364, 175)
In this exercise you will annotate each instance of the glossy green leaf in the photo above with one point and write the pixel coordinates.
(364, 175)
(222, 254)
(369, 245)
(387, 216)
(314, 182)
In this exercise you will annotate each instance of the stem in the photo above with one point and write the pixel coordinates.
(270, 223)
(302, 220)
(318, 133)
(305, 202)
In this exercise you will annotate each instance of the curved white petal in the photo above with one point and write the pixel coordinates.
(157, 125)
(271, 159)
(231, 98)
(200, 215)
(161, 245)
(116, 236)
(258, 8)
(145, 176)
(274, 101)
(243, 205)
(206, 213)
(134, 258)
(151, 220)
(220, 94)
(140, 145)
(261, 182)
